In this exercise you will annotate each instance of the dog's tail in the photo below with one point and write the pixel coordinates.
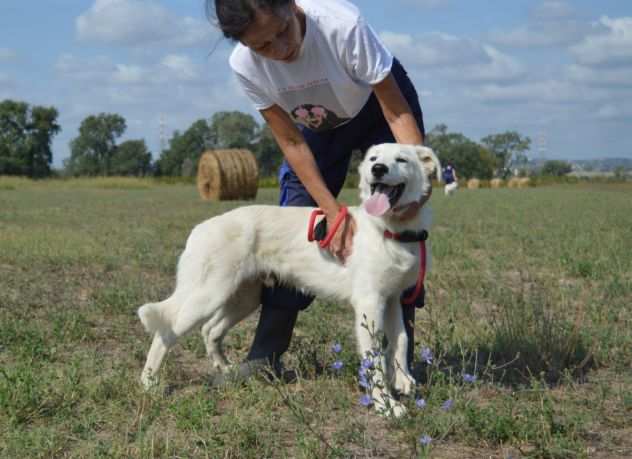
(155, 317)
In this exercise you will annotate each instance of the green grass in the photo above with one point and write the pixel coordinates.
(530, 291)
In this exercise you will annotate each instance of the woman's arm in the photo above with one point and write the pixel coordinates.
(402, 123)
(301, 160)
(397, 112)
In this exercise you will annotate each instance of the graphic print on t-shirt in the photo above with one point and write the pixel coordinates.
(323, 110)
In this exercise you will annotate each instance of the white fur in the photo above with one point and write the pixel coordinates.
(227, 258)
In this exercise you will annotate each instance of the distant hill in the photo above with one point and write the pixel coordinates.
(603, 165)
(590, 165)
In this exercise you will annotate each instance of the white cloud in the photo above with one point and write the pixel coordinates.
(137, 22)
(551, 10)
(612, 47)
(549, 92)
(500, 67)
(181, 67)
(427, 3)
(7, 54)
(456, 58)
(551, 23)
(435, 49)
(607, 77)
(6, 81)
(101, 70)
(96, 70)
(130, 74)
(614, 111)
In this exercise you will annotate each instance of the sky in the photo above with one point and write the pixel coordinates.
(557, 71)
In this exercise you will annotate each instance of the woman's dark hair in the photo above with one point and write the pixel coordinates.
(234, 16)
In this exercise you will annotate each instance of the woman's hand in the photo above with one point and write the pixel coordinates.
(342, 242)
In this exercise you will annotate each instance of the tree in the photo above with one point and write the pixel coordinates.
(226, 130)
(185, 146)
(132, 157)
(468, 158)
(556, 168)
(233, 130)
(26, 135)
(509, 150)
(91, 153)
(268, 153)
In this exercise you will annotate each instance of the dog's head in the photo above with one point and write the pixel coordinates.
(393, 175)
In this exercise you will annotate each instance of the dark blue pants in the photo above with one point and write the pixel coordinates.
(332, 150)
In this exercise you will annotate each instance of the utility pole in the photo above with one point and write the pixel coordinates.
(163, 137)
(541, 143)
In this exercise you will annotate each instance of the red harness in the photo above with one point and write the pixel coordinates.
(406, 236)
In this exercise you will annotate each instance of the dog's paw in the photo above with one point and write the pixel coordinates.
(386, 405)
(148, 381)
(392, 409)
(404, 383)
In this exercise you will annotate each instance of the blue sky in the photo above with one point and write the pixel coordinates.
(557, 71)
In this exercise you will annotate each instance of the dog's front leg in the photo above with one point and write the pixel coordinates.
(369, 318)
(155, 356)
(396, 353)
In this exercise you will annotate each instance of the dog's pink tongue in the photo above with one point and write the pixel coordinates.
(377, 204)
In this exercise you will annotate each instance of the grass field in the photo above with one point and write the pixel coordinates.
(530, 297)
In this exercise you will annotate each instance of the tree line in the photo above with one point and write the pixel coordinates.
(26, 135)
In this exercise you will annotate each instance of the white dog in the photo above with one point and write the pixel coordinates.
(229, 256)
(450, 188)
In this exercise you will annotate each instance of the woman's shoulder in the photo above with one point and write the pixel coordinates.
(242, 59)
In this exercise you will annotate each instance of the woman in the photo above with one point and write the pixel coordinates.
(326, 85)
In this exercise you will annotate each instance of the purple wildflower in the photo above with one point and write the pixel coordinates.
(366, 400)
(367, 363)
(420, 402)
(425, 440)
(469, 378)
(337, 365)
(336, 348)
(362, 376)
(426, 355)
(447, 405)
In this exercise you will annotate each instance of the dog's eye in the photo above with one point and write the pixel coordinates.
(401, 160)
(372, 158)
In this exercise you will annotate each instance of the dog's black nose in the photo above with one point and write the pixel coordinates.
(379, 170)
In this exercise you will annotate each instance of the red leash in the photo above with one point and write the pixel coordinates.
(342, 214)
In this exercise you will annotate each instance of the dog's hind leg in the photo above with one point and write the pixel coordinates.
(396, 352)
(244, 301)
(201, 304)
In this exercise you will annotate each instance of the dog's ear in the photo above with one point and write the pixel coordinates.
(429, 161)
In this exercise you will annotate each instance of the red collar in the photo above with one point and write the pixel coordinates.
(407, 236)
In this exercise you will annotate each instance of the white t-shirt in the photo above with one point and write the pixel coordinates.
(329, 83)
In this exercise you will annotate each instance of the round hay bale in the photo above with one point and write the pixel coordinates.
(473, 184)
(524, 182)
(496, 183)
(513, 182)
(227, 175)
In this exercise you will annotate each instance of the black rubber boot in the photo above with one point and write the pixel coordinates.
(273, 334)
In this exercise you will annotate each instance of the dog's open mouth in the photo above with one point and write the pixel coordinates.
(383, 197)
